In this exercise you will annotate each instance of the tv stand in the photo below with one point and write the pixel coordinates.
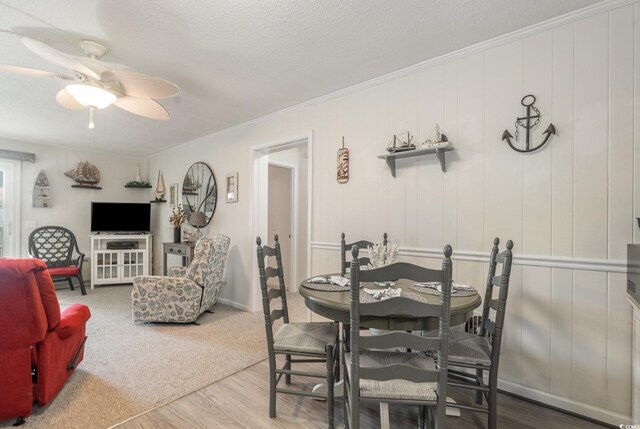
(112, 265)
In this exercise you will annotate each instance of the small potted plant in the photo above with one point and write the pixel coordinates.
(176, 219)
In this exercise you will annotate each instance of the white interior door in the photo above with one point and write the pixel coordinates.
(279, 218)
(9, 209)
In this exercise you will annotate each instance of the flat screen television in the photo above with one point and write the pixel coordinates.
(121, 217)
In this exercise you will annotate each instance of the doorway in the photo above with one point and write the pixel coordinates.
(9, 209)
(281, 203)
(280, 214)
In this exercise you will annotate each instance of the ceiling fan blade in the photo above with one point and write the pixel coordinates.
(96, 65)
(32, 72)
(57, 57)
(67, 101)
(143, 107)
(141, 85)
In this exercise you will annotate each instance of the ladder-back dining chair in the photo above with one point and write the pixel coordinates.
(362, 244)
(397, 376)
(480, 351)
(312, 342)
(56, 246)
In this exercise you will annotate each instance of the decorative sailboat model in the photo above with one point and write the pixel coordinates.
(85, 174)
(437, 140)
(160, 189)
(399, 145)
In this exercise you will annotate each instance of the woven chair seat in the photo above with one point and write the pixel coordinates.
(395, 389)
(466, 347)
(306, 337)
(470, 348)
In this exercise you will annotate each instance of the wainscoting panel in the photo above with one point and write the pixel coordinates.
(619, 344)
(562, 170)
(561, 306)
(537, 170)
(502, 166)
(468, 153)
(536, 328)
(589, 338)
(591, 144)
(620, 131)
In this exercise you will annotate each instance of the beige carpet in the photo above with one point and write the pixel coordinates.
(130, 367)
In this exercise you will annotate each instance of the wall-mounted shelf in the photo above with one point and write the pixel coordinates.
(42, 191)
(391, 157)
(138, 187)
(86, 186)
(158, 201)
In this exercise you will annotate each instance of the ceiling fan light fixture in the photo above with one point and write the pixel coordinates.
(91, 96)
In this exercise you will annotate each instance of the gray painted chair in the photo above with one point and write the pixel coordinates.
(362, 244)
(481, 351)
(398, 377)
(313, 342)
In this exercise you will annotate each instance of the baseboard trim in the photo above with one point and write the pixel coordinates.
(233, 304)
(570, 406)
(583, 264)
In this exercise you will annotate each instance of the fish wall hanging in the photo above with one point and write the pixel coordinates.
(343, 164)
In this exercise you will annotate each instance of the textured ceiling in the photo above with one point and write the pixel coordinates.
(233, 60)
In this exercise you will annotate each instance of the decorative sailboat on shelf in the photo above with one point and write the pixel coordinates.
(437, 140)
(85, 174)
(160, 189)
(399, 145)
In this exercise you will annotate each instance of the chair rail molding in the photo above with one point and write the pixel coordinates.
(548, 261)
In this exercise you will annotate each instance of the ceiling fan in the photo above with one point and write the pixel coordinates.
(95, 85)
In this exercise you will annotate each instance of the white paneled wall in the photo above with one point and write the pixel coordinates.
(71, 207)
(569, 207)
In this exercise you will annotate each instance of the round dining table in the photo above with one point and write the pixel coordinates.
(336, 306)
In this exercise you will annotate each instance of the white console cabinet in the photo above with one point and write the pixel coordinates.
(111, 266)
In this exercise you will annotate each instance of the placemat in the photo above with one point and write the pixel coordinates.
(454, 292)
(326, 287)
(366, 298)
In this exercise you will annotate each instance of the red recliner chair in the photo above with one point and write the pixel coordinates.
(39, 347)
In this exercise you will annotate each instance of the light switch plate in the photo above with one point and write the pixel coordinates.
(30, 224)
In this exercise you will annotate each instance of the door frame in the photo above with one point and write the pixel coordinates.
(259, 203)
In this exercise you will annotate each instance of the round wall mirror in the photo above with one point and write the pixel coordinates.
(199, 195)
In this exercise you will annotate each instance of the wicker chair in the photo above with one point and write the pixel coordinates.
(56, 246)
(313, 342)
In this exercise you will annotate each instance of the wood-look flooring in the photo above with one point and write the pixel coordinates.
(241, 401)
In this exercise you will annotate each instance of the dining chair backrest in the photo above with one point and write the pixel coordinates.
(401, 307)
(53, 244)
(362, 244)
(488, 327)
(268, 294)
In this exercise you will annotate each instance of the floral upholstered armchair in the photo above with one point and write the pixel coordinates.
(186, 292)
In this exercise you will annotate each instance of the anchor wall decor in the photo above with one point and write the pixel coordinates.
(528, 101)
